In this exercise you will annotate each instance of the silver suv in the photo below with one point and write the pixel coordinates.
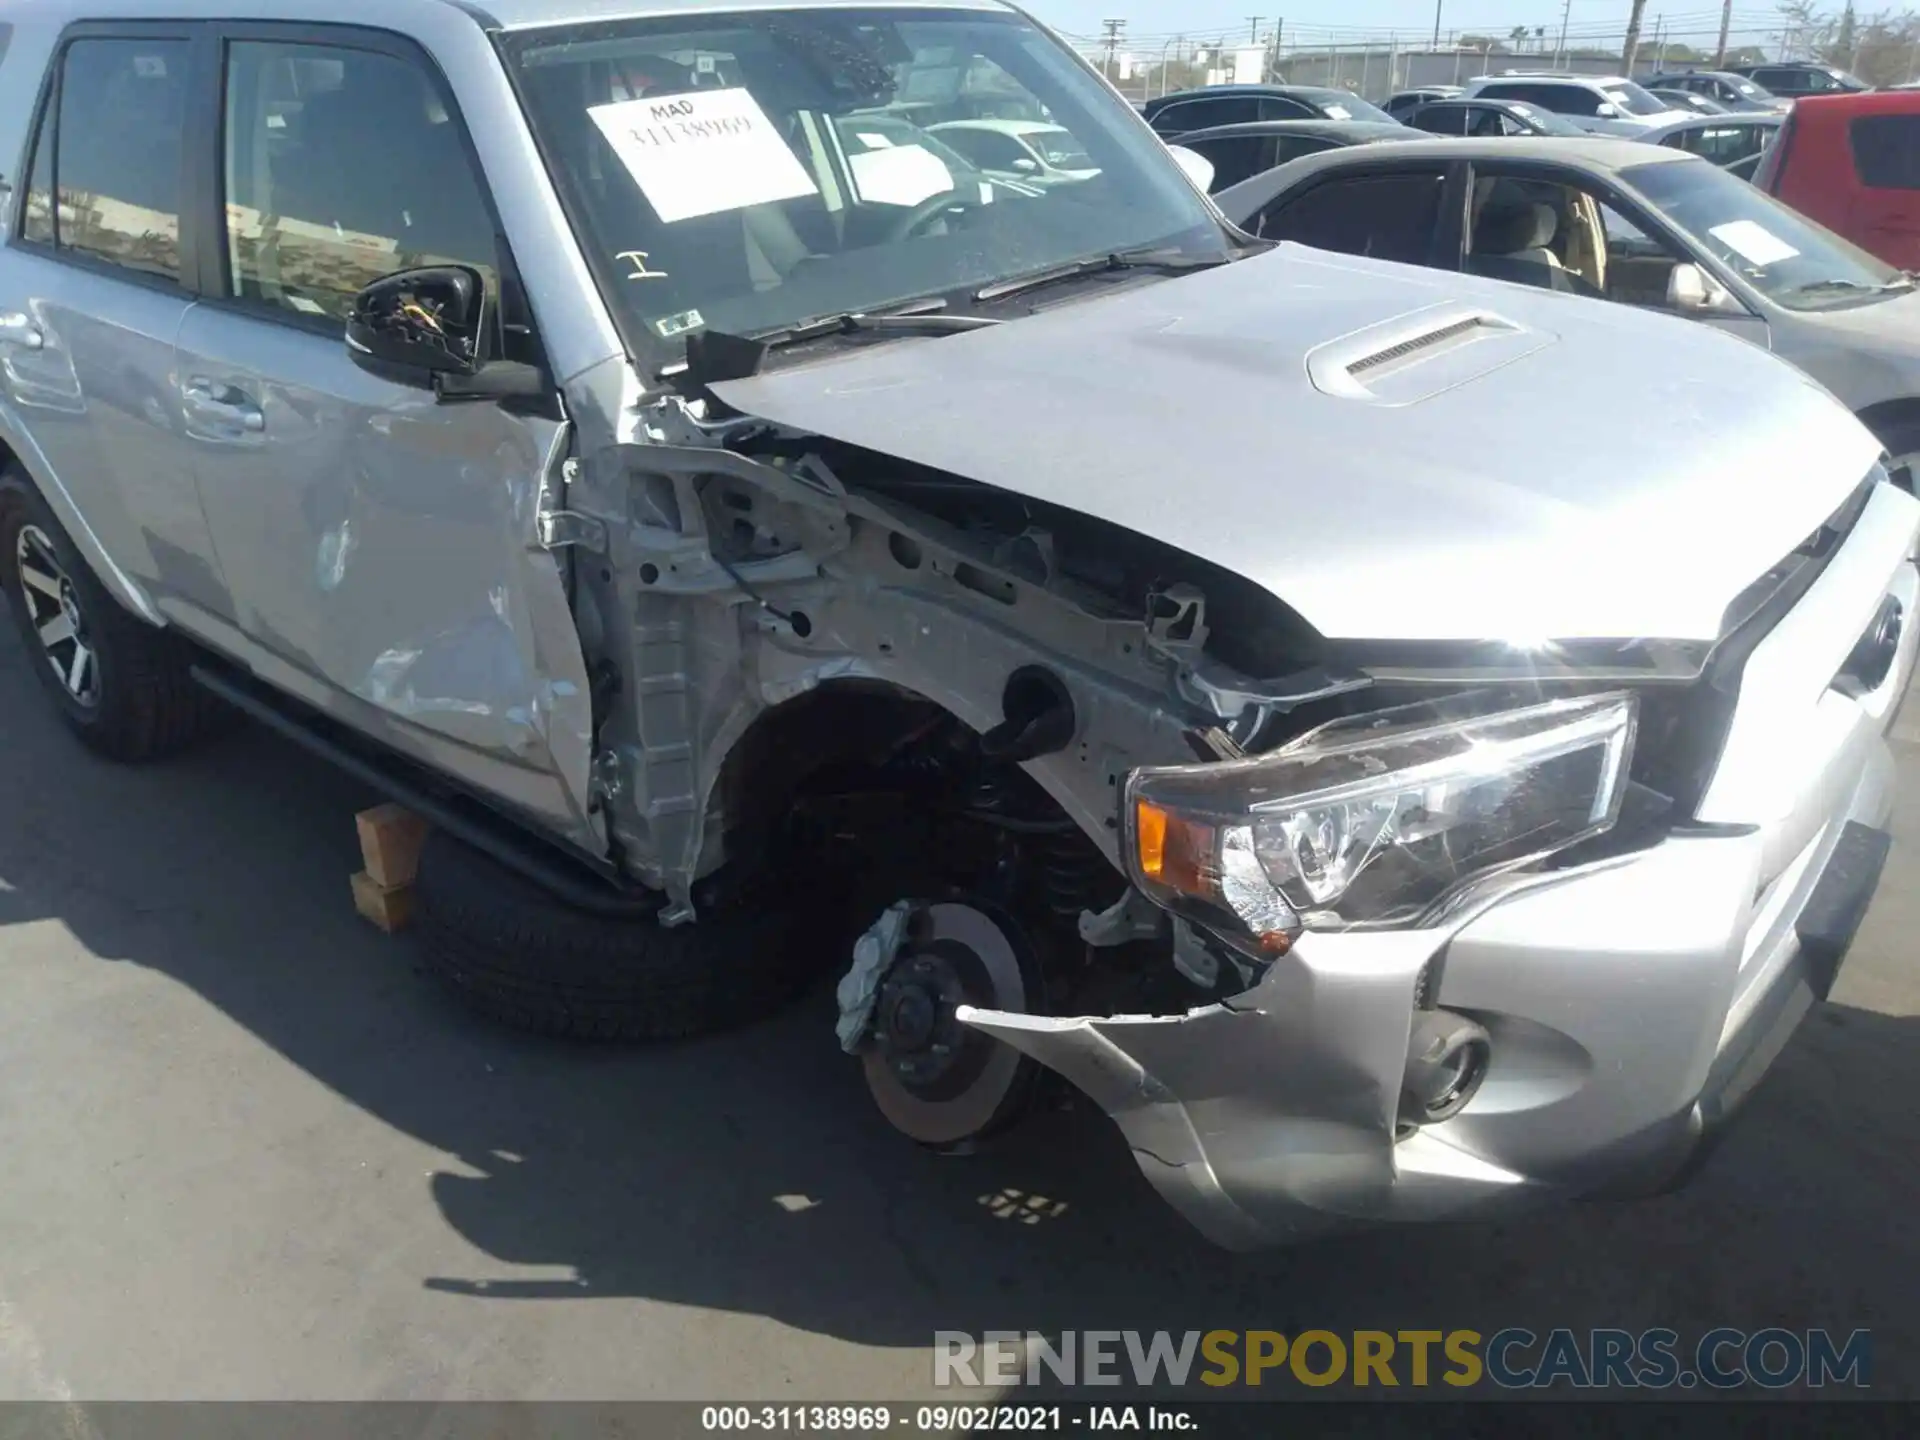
(758, 545)
(1602, 104)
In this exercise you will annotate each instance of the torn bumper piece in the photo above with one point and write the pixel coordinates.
(1270, 1118)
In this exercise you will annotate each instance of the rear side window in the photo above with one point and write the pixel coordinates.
(1886, 151)
(105, 181)
(1387, 217)
(342, 166)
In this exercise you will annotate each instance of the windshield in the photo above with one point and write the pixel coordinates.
(1345, 105)
(748, 172)
(1782, 254)
(1636, 100)
(1546, 121)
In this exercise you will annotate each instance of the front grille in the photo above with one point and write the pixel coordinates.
(1683, 729)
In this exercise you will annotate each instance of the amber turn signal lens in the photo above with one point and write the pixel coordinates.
(1173, 851)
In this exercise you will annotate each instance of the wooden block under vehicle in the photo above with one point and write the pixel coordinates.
(390, 841)
(388, 906)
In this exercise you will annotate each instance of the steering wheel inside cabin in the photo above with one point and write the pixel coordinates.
(935, 207)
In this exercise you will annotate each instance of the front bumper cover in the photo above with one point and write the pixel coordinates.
(1632, 1004)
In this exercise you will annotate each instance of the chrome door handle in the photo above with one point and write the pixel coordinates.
(19, 329)
(227, 403)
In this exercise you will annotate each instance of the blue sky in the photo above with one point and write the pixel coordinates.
(1154, 22)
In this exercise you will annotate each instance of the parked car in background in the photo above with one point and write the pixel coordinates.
(1217, 105)
(1733, 142)
(1792, 79)
(892, 161)
(1687, 100)
(1402, 102)
(1237, 152)
(1604, 105)
(1619, 220)
(1736, 93)
(1852, 162)
(1489, 119)
(1035, 151)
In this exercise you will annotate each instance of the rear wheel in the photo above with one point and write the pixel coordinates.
(120, 685)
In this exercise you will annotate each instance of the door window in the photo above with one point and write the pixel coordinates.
(1442, 119)
(1205, 114)
(1236, 157)
(111, 147)
(342, 166)
(1886, 151)
(1724, 144)
(1387, 217)
(1283, 107)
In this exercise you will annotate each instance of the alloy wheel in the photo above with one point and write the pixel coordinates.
(53, 609)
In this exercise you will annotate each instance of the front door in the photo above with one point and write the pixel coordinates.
(380, 544)
(96, 290)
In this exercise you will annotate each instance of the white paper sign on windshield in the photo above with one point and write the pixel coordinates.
(702, 152)
(1753, 242)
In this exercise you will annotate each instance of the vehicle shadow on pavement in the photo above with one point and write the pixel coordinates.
(749, 1173)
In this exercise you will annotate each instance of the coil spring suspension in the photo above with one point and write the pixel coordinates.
(1074, 876)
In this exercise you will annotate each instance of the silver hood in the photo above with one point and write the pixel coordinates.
(1395, 453)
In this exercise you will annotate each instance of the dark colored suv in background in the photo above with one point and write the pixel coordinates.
(1792, 79)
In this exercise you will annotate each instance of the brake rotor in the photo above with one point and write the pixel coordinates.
(936, 1080)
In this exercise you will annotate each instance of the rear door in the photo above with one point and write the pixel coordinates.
(380, 545)
(1886, 209)
(99, 284)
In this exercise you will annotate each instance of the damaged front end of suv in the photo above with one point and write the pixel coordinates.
(1202, 687)
(1338, 932)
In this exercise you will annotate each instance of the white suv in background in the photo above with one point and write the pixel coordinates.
(1604, 104)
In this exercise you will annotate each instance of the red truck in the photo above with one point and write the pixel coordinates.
(1852, 162)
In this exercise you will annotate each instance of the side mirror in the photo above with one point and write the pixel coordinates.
(1198, 168)
(1027, 167)
(1691, 291)
(416, 326)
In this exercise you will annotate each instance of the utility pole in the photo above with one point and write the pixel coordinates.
(1253, 29)
(1726, 24)
(1437, 6)
(1110, 40)
(1566, 13)
(1632, 45)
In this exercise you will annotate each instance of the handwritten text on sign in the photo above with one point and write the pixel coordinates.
(703, 152)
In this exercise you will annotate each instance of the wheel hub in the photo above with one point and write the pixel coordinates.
(915, 1027)
(52, 607)
(937, 1080)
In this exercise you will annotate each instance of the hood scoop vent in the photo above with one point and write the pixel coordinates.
(1418, 355)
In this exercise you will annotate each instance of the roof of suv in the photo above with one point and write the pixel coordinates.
(494, 14)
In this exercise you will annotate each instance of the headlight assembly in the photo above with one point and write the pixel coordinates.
(1372, 822)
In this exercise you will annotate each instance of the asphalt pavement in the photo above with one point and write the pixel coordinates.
(249, 1151)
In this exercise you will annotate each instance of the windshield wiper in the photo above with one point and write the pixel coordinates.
(1853, 286)
(925, 317)
(1158, 257)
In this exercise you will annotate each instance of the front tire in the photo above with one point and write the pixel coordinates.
(121, 686)
(517, 954)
